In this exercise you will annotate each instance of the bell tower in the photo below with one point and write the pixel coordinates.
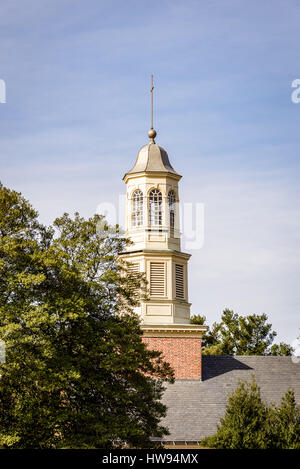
(152, 224)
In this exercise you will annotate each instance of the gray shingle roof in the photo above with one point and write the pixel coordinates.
(195, 407)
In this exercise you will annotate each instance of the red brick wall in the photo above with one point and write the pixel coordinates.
(183, 354)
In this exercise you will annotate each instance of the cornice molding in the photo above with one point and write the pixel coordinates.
(159, 174)
(156, 253)
(173, 330)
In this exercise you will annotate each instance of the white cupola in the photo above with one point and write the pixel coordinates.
(152, 224)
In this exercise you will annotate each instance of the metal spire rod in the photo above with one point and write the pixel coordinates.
(152, 132)
(151, 91)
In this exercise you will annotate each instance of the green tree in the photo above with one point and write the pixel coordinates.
(211, 337)
(77, 373)
(249, 423)
(241, 335)
(281, 349)
(243, 426)
(284, 424)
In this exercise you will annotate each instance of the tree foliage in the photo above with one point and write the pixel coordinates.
(77, 373)
(249, 423)
(241, 335)
(284, 424)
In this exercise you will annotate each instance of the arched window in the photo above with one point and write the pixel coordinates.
(137, 208)
(155, 207)
(171, 200)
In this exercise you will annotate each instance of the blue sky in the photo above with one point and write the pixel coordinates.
(77, 75)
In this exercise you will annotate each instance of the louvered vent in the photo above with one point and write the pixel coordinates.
(157, 279)
(179, 281)
(134, 268)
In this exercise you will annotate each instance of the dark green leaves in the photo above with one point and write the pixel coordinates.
(249, 423)
(241, 335)
(77, 373)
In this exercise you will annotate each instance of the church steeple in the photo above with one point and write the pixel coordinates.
(152, 224)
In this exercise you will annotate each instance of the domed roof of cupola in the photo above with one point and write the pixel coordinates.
(152, 158)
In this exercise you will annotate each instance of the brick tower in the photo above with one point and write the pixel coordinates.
(152, 224)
